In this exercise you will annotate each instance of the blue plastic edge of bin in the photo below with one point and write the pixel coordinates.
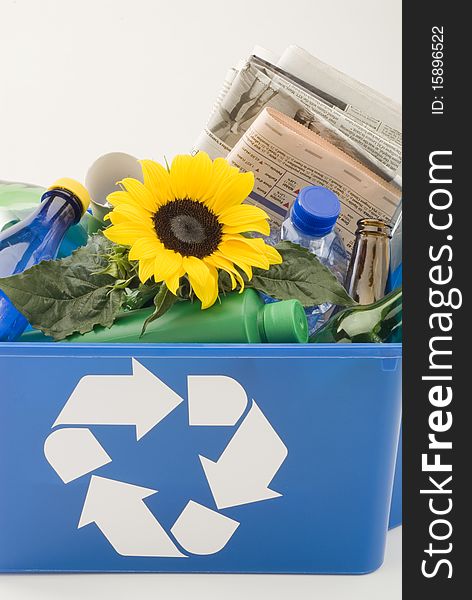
(396, 504)
(339, 351)
(182, 349)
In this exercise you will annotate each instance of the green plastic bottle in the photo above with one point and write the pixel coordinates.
(17, 201)
(380, 321)
(238, 318)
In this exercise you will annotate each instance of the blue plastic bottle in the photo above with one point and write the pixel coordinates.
(17, 202)
(35, 239)
(312, 224)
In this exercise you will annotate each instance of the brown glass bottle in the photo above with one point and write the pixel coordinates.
(368, 269)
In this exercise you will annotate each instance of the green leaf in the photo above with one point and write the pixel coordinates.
(118, 264)
(163, 300)
(61, 297)
(141, 296)
(301, 276)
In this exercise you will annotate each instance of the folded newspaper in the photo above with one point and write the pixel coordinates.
(296, 121)
(285, 156)
(365, 124)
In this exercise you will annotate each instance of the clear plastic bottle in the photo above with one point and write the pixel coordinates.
(312, 224)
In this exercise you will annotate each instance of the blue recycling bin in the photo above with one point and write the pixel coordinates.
(197, 458)
(396, 505)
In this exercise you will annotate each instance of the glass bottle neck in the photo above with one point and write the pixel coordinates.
(374, 227)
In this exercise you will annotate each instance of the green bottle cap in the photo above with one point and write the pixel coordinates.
(285, 322)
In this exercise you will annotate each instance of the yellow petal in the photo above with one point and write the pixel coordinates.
(256, 226)
(232, 278)
(244, 250)
(157, 181)
(146, 269)
(220, 262)
(199, 175)
(179, 175)
(133, 212)
(166, 264)
(117, 198)
(144, 248)
(221, 173)
(126, 233)
(115, 218)
(196, 268)
(232, 193)
(140, 194)
(273, 255)
(202, 279)
(242, 214)
(212, 289)
(173, 281)
(245, 268)
(244, 217)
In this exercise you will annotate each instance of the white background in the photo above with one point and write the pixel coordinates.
(79, 78)
(83, 77)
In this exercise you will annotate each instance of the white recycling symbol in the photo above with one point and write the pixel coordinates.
(241, 475)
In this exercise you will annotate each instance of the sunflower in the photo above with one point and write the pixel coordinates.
(188, 220)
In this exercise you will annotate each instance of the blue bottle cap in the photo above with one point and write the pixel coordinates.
(315, 210)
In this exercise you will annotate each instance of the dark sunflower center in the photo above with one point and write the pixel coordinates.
(188, 227)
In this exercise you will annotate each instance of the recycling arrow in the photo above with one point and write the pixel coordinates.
(74, 452)
(140, 399)
(240, 476)
(119, 512)
(248, 464)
